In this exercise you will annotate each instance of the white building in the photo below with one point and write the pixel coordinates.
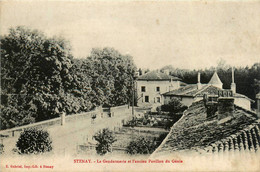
(152, 85)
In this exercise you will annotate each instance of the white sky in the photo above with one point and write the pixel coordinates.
(183, 34)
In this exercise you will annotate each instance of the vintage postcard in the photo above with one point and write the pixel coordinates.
(129, 85)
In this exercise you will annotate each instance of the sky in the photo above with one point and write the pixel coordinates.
(190, 35)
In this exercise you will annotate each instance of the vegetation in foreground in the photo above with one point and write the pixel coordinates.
(105, 139)
(143, 145)
(34, 141)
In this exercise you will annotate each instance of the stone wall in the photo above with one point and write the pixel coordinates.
(97, 112)
(118, 110)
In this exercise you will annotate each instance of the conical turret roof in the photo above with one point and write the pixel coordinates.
(215, 80)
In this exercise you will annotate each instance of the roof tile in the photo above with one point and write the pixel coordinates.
(155, 76)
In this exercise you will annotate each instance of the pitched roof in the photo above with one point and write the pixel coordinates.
(194, 131)
(215, 79)
(243, 96)
(156, 76)
(191, 90)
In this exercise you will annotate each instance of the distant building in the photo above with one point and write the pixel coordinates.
(152, 85)
(195, 92)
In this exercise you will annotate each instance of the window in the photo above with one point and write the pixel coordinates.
(143, 88)
(157, 89)
(158, 99)
(146, 98)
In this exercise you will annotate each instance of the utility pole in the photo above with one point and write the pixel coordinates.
(133, 98)
(133, 94)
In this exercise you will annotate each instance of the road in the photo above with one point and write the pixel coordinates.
(66, 137)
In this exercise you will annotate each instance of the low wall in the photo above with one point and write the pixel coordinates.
(56, 121)
(118, 110)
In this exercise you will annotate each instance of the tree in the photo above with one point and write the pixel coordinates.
(256, 85)
(35, 74)
(32, 63)
(16, 110)
(141, 145)
(105, 139)
(34, 141)
(40, 78)
(111, 75)
(174, 106)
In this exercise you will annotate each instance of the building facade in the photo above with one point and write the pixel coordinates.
(152, 85)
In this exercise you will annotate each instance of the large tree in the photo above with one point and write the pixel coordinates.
(32, 63)
(35, 74)
(40, 78)
(111, 75)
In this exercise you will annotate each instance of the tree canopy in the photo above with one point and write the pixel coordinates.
(40, 78)
(34, 74)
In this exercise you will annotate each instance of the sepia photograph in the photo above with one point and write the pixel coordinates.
(133, 85)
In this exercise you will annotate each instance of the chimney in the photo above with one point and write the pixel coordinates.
(233, 85)
(211, 106)
(258, 105)
(166, 71)
(62, 118)
(140, 72)
(225, 108)
(198, 84)
(178, 84)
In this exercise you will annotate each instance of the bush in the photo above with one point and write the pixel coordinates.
(34, 141)
(105, 139)
(174, 106)
(159, 110)
(141, 146)
(161, 138)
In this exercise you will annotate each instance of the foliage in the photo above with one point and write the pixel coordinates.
(161, 138)
(110, 76)
(34, 141)
(32, 63)
(141, 145)
(34, 75)
(40, 79)
(16, 110)
(1, 148)
(144, 145)
(105, 139)
(174, 106)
